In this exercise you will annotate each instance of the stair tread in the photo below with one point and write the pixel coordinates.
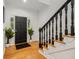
(69, 36)
(69, 43)
(62, 42)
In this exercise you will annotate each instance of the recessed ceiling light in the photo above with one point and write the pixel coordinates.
(25, 1)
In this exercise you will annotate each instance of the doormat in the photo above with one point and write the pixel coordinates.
(22, 46)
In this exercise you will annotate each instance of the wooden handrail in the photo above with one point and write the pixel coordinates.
(56, 12)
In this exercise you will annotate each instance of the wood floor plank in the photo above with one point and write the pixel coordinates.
(25, 53)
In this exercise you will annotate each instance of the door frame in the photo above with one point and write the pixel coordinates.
(15, 30)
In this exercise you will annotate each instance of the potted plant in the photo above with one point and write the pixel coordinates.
(9, 34)
(30, 32)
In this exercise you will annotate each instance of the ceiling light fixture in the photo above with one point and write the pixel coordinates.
(25, 1)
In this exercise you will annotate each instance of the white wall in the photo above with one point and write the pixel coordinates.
(45, 15)
(38, 19)
(33, 16)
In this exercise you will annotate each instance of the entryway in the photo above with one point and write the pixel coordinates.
(21, 32)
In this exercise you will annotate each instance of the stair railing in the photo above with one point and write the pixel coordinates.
(44, 34)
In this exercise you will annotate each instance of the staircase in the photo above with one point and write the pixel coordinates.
(53, 41)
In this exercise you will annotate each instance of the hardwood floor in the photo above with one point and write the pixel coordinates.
(24, 53)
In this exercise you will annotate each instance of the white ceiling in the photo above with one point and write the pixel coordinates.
(36, 5)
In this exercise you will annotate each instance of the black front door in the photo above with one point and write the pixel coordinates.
(20, 30)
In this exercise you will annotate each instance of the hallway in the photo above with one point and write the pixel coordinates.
(48, 28)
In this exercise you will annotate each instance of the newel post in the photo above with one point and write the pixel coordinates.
(46, 36)
(56, 27)
(72, 18)
(52, 31)
(40, 40)
(61, 38)
(66, 29)
(49, 33)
